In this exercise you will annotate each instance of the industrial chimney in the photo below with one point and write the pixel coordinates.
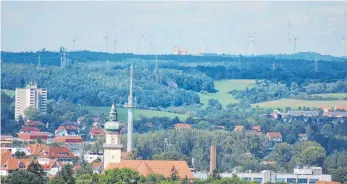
(212, 158)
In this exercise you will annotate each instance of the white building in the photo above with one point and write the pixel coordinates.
(90, 157)
(301, 176)
(30, 96)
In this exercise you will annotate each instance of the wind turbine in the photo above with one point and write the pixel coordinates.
(150, 46)
(203, 47)
(289, 40)
(143, 43)
(114, 44)
(73, 44)
(251, 42)
(295, 38)
(343, 46)
(106, 39)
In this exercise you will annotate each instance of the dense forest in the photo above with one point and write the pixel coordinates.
(265, 90)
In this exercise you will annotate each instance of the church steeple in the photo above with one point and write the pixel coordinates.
(113, 113)
(113, 125)
(112, 146)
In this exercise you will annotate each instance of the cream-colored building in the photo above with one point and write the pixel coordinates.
(30, 96)
(112, 145)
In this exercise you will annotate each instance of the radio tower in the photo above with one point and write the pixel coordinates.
(130, 107)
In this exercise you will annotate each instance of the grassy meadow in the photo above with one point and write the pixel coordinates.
(223, 86)
(123, 113)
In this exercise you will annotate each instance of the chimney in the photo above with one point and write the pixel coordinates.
(212, 158)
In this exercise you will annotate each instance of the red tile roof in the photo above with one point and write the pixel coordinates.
(30, 129)
(6, 154)
(68, 139)
(182, 125)
(302, 135)
(256, 128)
(14, 163)
(147, 167)
(96, 164)
(51, 164)
(76, 167)
(36, 149)
(32, 136)
(239, 128)
(274, 134)
(97, 131)
(67, 128)
(57, 152)
(341, 108)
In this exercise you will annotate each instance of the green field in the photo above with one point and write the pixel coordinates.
(339, 96)
(11, 93)
(294, 103)
(123, 113)
(223, 87)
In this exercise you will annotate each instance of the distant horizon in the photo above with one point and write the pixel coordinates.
(209, 27)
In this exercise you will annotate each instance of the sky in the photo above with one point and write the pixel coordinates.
(212, 27)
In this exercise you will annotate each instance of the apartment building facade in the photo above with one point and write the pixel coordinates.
(30, 96)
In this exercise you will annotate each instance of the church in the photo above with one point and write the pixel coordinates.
(113, 149)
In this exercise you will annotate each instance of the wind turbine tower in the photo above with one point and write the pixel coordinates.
(143, 43)
(295, 38)
(73, 44)
(203, 47)
(343, 46)
(106, 39)
(114, 44)
(130, 107)
(251, 43)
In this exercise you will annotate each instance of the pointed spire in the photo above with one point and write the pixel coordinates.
(113, 112)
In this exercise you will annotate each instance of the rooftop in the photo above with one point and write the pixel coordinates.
(147, 167)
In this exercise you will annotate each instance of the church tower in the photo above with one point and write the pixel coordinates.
(112, 145)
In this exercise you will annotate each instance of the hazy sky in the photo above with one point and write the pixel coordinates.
(224, 26)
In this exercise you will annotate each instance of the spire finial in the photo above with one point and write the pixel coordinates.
(113, 112)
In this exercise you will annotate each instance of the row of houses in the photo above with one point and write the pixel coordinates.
(326, 113)
(51, 158)
(273, 136)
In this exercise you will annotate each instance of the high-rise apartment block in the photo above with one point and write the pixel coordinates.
(30, 96)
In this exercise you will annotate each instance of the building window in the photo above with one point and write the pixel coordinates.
(260, 180)
(21, 165)
(279, 180)
(246, 178)
(291, 180)
(113, 141)
(302, 181)
(313, 181)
